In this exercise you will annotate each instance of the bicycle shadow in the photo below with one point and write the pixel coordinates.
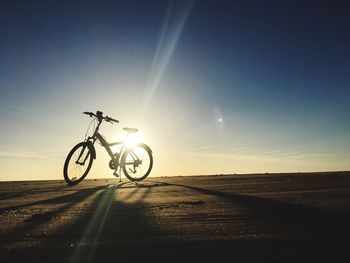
(106, 220)
(77, 196)
(10, 195)
(117, 225)
(287, 217)
(66, 202)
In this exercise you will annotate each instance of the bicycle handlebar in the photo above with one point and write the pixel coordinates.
(100, 117)
(109, 119)
(90, 113)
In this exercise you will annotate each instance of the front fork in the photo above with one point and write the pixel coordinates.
(91, 150)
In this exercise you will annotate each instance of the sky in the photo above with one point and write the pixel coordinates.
(215, 87)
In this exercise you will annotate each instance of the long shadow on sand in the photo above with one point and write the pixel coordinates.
(293, 218)
(107, 221)
(127, 231)
(66, 202)
(10, 195)
(71, 198)
(115, 230)
(118, 229)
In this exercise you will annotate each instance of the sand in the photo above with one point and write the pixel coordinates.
(297, 217)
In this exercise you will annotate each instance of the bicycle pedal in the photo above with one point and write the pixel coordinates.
(116, 174)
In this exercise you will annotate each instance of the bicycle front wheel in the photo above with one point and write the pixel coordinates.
(78, 163)
(137, 162)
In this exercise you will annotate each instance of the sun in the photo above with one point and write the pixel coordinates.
(132, 139)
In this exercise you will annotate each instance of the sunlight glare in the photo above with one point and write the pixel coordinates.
(132, 139)
(175, 20)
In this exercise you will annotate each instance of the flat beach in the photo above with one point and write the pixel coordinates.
(296, 217)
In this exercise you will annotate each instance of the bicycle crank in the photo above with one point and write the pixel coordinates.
(114, 163)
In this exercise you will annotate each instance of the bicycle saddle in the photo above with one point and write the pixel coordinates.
(130, 130)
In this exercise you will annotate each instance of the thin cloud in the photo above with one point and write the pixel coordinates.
(248, 149)
(24, 155)
(251, 153)
(201, 148)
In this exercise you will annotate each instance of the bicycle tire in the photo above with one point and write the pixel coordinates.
(66, 174)
(125, 155)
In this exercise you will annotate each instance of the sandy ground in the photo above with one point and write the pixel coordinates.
(236, 218)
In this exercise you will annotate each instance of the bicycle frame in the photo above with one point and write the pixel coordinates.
(108, 146)
(98, 137)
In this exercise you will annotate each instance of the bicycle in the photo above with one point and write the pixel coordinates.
(135, 161)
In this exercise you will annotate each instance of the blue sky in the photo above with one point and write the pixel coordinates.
(275, 72)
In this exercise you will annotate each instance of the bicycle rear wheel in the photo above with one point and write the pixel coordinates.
(78, 163)
(137, 162)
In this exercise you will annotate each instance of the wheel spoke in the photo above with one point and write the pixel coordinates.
(138, 163)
